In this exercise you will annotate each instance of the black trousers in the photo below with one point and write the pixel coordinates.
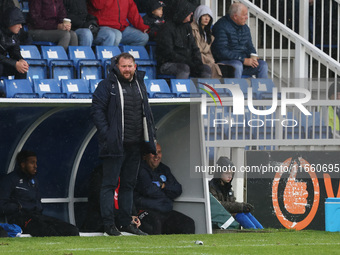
(6, 70)
(42, 225)
(173, 222)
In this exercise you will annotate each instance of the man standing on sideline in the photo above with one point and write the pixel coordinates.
(233, 44)
(122, 115)
(20, 201)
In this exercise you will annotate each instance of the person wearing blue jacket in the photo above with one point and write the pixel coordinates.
(20, 201)
(125, 126)
(233, 44)
(154, 194)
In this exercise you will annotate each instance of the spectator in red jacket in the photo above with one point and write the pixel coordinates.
(46, 23)
(117, 14)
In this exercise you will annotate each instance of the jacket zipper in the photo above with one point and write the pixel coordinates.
(119, 15)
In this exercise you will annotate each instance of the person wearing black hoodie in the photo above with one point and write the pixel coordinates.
(220, 187)
(10, 45)
(177, 52)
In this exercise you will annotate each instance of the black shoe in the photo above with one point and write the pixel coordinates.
(111, 231)
(133, 230)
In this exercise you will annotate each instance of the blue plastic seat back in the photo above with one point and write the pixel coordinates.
(210, 85)
(140, 54)
(48, 88)
(78, 53)
(158, 88)
(19, 89)
(242, 84)
(38, 66)
(94, 84)
(150, 71)
(107, 52)
(184, 88)
(262, 88)
(315, 126)
(76, 88)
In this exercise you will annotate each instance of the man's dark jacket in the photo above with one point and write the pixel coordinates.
(148, 195)
(107, 114)
(232, 41)
(19, 193)
(9, 42)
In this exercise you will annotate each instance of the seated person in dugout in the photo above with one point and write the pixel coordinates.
(20, 201)
(220, 188)
(154, 195)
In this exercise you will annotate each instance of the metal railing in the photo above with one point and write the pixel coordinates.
(274, 26)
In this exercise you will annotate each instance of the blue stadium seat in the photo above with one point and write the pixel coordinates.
(292, 128)
(315, 126)
(19, 89)
(60, 66)
(158, 88)
(143, 60)
(184, 88)
(48, 88)
(76, 88)
(263, 128)
(88, 67)
(38, 66)
(93, 84)
(241, 83)
(263, 88)
(237, 127)
(211, 82)
(104, 54)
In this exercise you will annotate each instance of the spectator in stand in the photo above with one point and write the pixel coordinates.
(117, 14)
(233, 44)
(172, 5)
(201, 30)
(86, 26)
(154, 18)
(46, 23)
(20, 201)
(177, 51)
(13, 64)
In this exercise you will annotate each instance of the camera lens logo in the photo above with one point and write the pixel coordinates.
(208, 92)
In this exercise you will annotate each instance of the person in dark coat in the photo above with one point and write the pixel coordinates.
(123, 117)
(220, 187)
(20, 201)
(154, 18)
(10, 45)
(177, 52)
(86, 25)
(153, 197)
(172, 5)
(233, 44)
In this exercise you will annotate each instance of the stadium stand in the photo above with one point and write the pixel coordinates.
(184, 88)
(87, 66)
(158, 88)
(19, 89)
(76, 88)
(38, 66)
(60, 67)
(104, 54)
(48, 88)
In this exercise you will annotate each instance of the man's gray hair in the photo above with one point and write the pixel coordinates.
(235, 8)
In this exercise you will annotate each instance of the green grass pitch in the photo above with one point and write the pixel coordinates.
(260, 242)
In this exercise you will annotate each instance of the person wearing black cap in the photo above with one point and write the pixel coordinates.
(10, 45)
(334, 112)
(220, 188)
(20, 201)
(154, 17)
(177, 52)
